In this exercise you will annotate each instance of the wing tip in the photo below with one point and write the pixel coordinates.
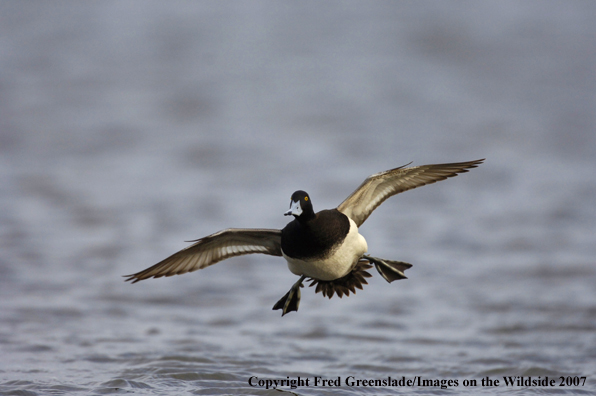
(132, 278)
(140, 277)
(462, 167)
(475, 163)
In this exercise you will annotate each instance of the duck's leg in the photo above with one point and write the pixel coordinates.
(390, 270)
(291, 300)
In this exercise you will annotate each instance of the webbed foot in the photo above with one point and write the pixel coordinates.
(291, 300)
(390, 270)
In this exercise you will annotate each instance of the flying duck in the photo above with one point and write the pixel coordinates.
(324, 248)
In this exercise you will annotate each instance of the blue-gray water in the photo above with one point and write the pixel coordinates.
(127, 128)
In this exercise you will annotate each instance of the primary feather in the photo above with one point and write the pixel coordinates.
(380, 186)
(212, 249)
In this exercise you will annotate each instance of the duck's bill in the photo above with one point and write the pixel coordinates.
(295, 209)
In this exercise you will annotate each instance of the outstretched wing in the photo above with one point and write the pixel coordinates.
(212, 249)
(380, 186)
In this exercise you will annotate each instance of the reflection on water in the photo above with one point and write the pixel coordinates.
(127, 129)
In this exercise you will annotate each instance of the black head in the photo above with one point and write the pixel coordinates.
(300, 206)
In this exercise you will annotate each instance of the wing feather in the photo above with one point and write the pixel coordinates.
(380, 186)
(212, 249)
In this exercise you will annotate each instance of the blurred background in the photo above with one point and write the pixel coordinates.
(128, 127)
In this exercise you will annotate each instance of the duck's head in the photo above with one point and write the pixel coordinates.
(300, 206)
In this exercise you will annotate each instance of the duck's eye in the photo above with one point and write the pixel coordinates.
(306, 198)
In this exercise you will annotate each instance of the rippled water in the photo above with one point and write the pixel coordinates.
(128, 127)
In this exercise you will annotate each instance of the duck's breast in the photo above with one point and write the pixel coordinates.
(338, 260)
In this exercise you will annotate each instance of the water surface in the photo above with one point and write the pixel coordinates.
(128, 128)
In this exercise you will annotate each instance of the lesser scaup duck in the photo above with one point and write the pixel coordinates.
(325, 247)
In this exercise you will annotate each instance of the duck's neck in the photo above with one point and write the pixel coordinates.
(305, 217)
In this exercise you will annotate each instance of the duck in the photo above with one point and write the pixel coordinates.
(324, 248)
